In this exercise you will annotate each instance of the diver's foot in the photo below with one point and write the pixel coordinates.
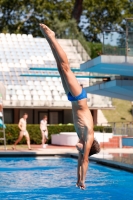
(46, 31)
(79, 147)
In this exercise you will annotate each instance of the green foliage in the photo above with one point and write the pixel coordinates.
(106, 14)
(22, 16)
(12, 132)
(65, 29)
(105, 129)
(95, 49)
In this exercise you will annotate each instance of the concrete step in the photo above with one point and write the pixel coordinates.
(112, 143)
(109, 145)
(114, 140)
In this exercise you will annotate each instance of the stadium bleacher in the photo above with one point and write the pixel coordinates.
(18, 53)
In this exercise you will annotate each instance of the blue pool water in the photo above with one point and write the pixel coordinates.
(54, 179)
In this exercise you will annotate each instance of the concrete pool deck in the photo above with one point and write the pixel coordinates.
(118, 158)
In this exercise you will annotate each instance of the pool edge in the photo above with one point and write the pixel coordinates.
(109, 163)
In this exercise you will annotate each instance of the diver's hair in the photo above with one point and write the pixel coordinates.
(95, 148)
(45, 116)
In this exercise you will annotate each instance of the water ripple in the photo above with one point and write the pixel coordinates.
(51, 179)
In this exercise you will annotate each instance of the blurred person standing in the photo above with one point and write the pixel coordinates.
(23, 132)
(44, 130)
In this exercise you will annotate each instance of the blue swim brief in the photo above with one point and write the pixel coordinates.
(83, 95)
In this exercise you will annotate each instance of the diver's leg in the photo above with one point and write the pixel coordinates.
(70, 79)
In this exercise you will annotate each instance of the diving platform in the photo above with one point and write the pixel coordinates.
(109, 64)
(121, 89)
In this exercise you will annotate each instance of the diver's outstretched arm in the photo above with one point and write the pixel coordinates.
(79, 169)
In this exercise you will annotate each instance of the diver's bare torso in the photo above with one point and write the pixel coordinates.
(82, 119)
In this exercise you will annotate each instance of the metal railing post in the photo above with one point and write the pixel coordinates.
(126, 38)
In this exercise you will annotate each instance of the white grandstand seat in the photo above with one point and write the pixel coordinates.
(40, 92)
(47, 92)
(55, 93)
(39, 87)
(45, 87)
(21, 97)
(31, 87)
(50, 83)
(40, 62)
(37, 83)
(17, 87)
(49, 98)
(30, 83)
(28, 97)
(8, 35)
(12, 92)
(64, 98)
(43, 82)
(48, 78)
(60, 88)
(34, 92)
(14, 97)
(52, 87)
(34, 61)
(55, 79)
(26, 92)
(7, 97)
(24, 36)
(36, 98)
(19, 92)
(57, 83)
(28, 61)
(23, 65)
(19, 36)
(3, 65)
(57, 98)
(43, 98)
(10, 87)
(10, 64)
(22, 61)
(25, 87)
(30, 37)
(17, 65)
(6, 69)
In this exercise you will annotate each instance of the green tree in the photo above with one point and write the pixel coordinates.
(106, 14)
(22, 16)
